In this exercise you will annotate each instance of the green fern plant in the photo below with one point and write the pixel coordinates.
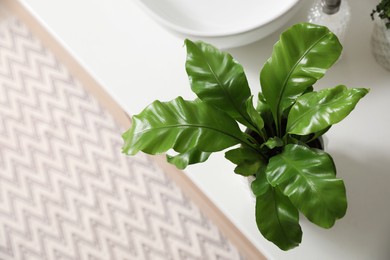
(280, 144)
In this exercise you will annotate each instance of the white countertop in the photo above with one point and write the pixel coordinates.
(137, 62)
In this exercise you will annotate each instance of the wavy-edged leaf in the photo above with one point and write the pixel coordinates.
(276, 217)
(265, 112)
(181, 125)
(262, 107)
(216, 78)
(273, 142)
(260, 184)
(254, 116)
(307, 176)
(248, 161)
(193, 156)
(301, 57)
(316, 111)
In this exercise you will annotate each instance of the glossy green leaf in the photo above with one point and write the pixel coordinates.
(216, 78)
(193, 156)
(254, 116)
(276, 217)
(265, 111)
(181, 125)
(316, 111)
(307, 176)
(273, 142)
(301, 57)
(248, 161)
(262, 106)
(260, 185)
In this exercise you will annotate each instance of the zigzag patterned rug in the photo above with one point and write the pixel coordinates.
(66, 191)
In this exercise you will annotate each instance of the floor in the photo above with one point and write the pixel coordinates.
(66, 190)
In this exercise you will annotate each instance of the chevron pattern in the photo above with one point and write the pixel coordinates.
(66, 191)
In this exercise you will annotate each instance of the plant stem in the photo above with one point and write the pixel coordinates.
(278, 123)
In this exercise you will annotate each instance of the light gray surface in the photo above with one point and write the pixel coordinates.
(129, 53)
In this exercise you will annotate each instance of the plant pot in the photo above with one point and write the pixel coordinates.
(380, 43)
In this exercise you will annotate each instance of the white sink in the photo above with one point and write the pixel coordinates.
(224, 23)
